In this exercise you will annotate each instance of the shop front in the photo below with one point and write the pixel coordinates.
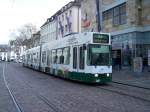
(126, 47)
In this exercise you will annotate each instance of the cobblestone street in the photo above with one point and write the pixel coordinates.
(38, 92)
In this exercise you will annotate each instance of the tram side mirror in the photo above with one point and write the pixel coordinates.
(84, 46)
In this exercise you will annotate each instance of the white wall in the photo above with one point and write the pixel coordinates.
(48, 32)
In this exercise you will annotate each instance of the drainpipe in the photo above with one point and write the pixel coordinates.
(78, 20)
(98, 15)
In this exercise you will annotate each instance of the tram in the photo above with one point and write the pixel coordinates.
(84, 57)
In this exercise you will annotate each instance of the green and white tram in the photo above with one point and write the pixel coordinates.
(84, 57)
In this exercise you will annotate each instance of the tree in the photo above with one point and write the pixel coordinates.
(21, 38)
(26, 31)
(23, 34)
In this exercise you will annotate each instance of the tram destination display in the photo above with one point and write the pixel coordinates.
(103, 38)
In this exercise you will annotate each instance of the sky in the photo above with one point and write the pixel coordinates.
(16, 13)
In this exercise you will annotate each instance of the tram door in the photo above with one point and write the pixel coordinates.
(78, 58)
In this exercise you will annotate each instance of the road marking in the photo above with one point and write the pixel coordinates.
(10, 92)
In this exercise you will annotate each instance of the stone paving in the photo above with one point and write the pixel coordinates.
(127, 76)
(6, 103)
(65, 96)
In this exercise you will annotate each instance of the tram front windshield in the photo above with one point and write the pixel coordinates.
(99, 55)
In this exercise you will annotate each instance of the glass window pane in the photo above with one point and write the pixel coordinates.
(53, 56)
(123, 19)
(44, 57)
(110, 13)
(82, 55)
(74, 57)
(116, 20)
(116, 11)
(59, 54)
(66, 54)
(123, 8)
(48, 58)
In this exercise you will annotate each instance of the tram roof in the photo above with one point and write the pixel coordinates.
(71, 40)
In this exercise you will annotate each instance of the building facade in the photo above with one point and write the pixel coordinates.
(68, 19)
(49, 30)
(4, 53)
(128, 21)
(36, 39)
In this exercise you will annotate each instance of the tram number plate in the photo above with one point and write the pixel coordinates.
(98, 80)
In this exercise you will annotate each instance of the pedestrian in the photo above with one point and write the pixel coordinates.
(118, 61)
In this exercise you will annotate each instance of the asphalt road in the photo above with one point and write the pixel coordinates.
(38, 92)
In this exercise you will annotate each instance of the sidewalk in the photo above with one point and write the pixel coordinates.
(128, 76)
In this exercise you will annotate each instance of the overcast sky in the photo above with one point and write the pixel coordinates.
(15, 13)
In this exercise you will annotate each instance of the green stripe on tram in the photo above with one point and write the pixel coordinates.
(84, 77)
(87, 77)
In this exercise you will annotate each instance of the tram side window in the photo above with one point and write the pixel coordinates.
(66, 54)
(28, 57)
(44, 57)
(74, 57)
(54, 56)
(59, 55)
(82, 56)
(31, 58)
(37, 55)
(62, 57)
(23, 58)
(34, 58)
(48, 58)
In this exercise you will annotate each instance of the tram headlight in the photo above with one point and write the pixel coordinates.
(108, 74)
(96, 75)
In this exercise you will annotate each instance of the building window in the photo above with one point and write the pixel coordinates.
(116, 16)
(62, 17)
(119, 15)
(108, 14)
(70, 13)
(123, 18)
(70, 27)
(66, 28)
(66, 14)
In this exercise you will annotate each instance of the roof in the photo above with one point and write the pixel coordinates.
(4, 47)
(63, 9)
(52, 18)
(67, 6)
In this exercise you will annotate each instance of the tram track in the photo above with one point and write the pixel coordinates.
(127, 90)
(41, 97)
(130, 85)
(17, 106)
(110, 88)
(44, 99)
